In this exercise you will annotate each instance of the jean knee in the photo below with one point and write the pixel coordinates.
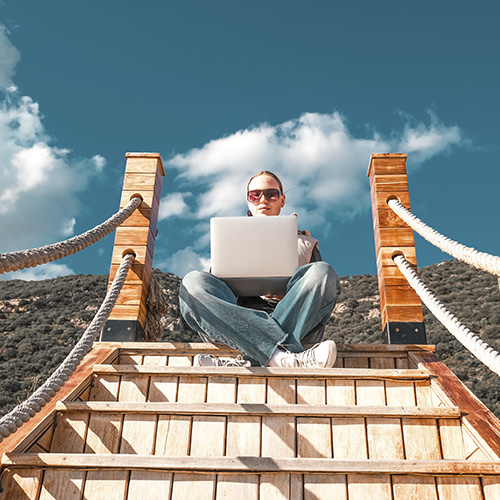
(325, 276)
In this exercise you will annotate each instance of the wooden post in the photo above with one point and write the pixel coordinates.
(143, 176)
(401, 308)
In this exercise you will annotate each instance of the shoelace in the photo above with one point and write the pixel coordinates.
(238, 361)
(305, 359)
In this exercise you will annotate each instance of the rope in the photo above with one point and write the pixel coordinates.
(480, 260)
(156, 307)
(22, 259)
(476, 346)
(23, 412)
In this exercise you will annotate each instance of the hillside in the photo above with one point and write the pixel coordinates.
(40, 321)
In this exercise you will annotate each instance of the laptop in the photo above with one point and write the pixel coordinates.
(254, 255)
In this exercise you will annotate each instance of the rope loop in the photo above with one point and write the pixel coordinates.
(471, 341)
(26, 410)
(480, 260)
(15, 261)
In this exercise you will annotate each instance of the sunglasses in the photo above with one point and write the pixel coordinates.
(270, 195)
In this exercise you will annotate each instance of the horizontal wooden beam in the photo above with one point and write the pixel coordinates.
(250, 464)
(259, 409)
(330, 373)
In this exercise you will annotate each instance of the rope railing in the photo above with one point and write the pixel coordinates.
(26, 410)
(15, 261)
(480, 260)
(476, 346)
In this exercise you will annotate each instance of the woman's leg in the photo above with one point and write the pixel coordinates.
(311, 295)
(209, 307)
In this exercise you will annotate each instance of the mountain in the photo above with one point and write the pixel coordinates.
(40, 321)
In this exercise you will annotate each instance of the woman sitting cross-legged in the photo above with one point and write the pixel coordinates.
(269, 331)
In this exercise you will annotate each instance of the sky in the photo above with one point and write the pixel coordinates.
(222, 89)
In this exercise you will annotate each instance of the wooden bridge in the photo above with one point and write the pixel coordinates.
(138, 421)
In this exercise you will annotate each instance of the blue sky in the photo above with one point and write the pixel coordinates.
(223, 89)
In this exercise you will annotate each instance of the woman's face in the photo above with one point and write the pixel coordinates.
(265, 206)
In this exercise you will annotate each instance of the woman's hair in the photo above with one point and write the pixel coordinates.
(270, 174)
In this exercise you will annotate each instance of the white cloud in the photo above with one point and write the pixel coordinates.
(183, 261)
(173, 204)
(44, 272)
(39, 183)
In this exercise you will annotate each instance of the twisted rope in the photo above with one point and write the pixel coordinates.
(476, 346)
(22, 259)
(480, 260)
(23, 412)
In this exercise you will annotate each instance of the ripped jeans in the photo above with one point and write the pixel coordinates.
(209, 307)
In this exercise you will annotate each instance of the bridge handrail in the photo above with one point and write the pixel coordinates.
(15, 261)
(28, 409)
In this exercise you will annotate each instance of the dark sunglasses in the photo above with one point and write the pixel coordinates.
(270, 195)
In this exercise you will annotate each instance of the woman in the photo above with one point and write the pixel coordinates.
(270, 331)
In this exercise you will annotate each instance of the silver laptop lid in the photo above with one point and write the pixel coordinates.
(261, 248)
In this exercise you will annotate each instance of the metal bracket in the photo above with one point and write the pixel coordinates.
(399, 332)
(121, 330)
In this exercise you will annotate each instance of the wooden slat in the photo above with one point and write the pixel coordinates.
(153, 485)
(414, 487)
(21, 484)
(330, 373)
(105, 484)
(217, 408)
(258, 464)
(65, 484)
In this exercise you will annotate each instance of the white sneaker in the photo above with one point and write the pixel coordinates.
(321, 355)
(209, 360)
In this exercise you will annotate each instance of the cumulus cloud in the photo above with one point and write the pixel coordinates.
(323, 165)
(183, 261)
(44, 272)
(39, 182)
(173, 204)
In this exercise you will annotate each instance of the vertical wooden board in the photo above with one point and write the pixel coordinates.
(69, 433)
(380, 432)
(104, 434)
(155, 360)
(296, 487)
(105, 484)
(105, 388)
(274, 487)
(314, 437)
(370, 392)
(423, 393)
(173, 435)
(382, 363)
(491, 488)
(150, 485)
(163, 389)
(452, 441)
(232, 486)
(243, 436)
(421, 439)
(138, 434)
(455, 487)
(65, 484)
(278, 436)
(414, 488)
(281, 391)
(357, 362)
(193, 486)
(472, 449)
(326, 486)
(311, 391)
(251, 390)
(400, 393)
(221, 390)
(349, 439)
(365, 486)
(340, 392)
(402, 363)
(130, 359)
(180, 361)
(208, 436)
(133, 389)
(192, 390)
(21, 484)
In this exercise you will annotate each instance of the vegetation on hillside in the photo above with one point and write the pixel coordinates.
(40, 321)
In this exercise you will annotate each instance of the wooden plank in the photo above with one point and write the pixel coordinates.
(191, 390)
(477, 415)
(173, 436)
(193, 486)
(251, 390)
(65, 484)
(104, 433)
(314, 437)
(320, 486)
(414, 487)
(451, 488)
(242, 486)
(491, 488)
(105, 484)
(180, 361)
(257, 464)
(380, 432)
(70, 433)
(391, 183)
(24, 437)
(163, 389)
(311, 391)
(452, 441)
(153, 485)
(308, 410)
(421, 439)
(21, 484)
(340, 392)
(349, 438)
(275, 487)
(282, 373)
(364, 486)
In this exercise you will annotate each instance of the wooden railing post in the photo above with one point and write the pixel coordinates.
(143, 176)
(400, 306)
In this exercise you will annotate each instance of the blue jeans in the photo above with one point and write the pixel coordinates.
(209, 307)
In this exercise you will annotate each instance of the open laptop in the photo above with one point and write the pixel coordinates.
(254, 255)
